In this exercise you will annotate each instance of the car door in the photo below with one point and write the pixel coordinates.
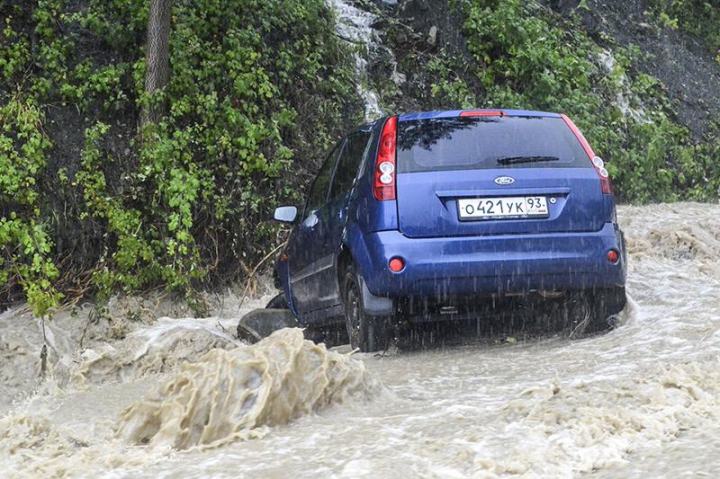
(307, 236)
(332, 217)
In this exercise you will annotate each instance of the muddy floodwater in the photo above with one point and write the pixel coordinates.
(182, 398)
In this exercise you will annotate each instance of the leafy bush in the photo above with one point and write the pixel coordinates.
(526, 57)
(697, 17)
(25, 246)
(248, 122)
(259, 89)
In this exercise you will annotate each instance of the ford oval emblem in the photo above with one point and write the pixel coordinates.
(504, 180)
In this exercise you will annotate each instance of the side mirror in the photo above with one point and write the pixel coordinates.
(286, 214)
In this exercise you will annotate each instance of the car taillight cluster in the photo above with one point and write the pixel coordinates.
(596, 161)
(385, 165)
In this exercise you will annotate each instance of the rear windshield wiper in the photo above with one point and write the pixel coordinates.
(514, 160)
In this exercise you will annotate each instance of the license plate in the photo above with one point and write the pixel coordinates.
(503, 208)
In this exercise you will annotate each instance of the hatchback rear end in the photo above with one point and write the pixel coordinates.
(489, 203)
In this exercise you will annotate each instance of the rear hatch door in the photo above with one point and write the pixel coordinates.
(492, 175)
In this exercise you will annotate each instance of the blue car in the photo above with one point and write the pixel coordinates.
(419, 217)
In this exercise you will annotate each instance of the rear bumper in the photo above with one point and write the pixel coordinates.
(437, 267)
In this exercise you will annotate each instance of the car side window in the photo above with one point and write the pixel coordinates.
(349, 163)
(319, 190)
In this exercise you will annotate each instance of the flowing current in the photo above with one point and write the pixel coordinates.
(182, 398)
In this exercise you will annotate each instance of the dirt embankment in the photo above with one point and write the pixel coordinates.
(683, 64)
(422, 29)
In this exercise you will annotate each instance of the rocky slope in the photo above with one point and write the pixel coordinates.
(688, 70)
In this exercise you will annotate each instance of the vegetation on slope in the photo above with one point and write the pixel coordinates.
(86, 206)
(259, 89)
(523, 55)
(700, 18)
(527, 61)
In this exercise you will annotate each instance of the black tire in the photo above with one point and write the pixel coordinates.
(579, 315)
(278, 302)
(592, 312)
(609, 302)
(365, 332)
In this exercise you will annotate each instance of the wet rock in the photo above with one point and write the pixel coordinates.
(680, 61)
(432, 36)
(261, 323)
(400, 37)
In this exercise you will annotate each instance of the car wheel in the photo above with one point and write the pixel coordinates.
(593, 312)
(365, 332)
(579, 316)
(278, 302)
(608, 304)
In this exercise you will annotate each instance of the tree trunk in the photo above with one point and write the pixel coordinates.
(157, 74)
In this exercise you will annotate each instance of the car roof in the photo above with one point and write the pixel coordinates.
(426, 115)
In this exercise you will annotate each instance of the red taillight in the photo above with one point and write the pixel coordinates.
(597, 164)
(613, 256)
(385, 164)
(396, 265)
(482, 113)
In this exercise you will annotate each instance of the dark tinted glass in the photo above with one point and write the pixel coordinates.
(319, 190)
(479, 142)
(349, 163)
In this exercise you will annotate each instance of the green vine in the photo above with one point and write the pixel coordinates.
(188, 206)
(526, 57)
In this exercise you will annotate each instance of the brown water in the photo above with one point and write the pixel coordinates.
(164, 401)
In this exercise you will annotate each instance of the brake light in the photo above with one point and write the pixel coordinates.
(396, 265)
(596, 161)
(613, 256)
(385, 164)
(482, 113)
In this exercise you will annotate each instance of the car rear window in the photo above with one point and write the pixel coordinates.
(468, 143)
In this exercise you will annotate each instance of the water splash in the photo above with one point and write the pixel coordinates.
(235, 394)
